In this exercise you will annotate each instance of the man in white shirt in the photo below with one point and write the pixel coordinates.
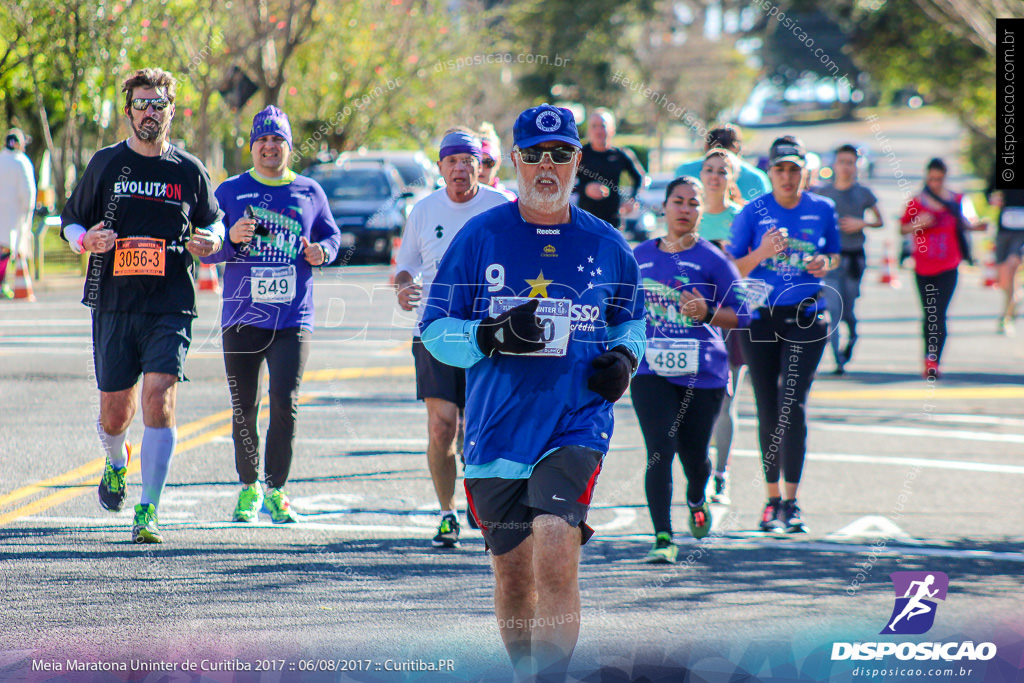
(432, 224)
(17, 202)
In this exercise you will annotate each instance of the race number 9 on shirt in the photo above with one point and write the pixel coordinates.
(554, 321)
(138, 256)
(273, 284)
(673, 357)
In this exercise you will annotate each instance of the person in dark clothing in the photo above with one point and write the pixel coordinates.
(1009, 247)
(601, 169)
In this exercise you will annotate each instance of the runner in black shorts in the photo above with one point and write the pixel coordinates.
(150, 207)
(1009, 249)
(433, 223)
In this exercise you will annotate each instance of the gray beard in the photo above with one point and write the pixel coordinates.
(545, 203)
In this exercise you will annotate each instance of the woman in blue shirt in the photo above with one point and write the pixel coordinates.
(690, 291)
(788, 239)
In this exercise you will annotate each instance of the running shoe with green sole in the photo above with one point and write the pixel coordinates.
(447, 533)
(144, 527)
(250, 500)
(700, 520)
(664, 550)
(113, 487)
(277, 505)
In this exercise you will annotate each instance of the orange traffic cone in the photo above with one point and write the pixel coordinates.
(396, 242)
(208, 281)
(990, 277)
(23, 281)
(889, 276)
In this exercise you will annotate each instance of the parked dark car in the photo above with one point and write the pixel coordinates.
(368, 201)
(419, 174)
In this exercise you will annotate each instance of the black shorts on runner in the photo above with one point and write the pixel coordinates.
(561, 484)
(435, 379)
(126, 345)
(1009, 243)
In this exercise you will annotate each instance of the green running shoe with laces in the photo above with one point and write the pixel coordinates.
(664, 550)
(144, 527)
(700, 520)
(277, 505)
(447, 533)
(249, 502)
(113, 488)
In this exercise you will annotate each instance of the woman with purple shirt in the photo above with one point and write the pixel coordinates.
(690, 290)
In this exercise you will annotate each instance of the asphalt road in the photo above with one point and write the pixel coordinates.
(902, 475)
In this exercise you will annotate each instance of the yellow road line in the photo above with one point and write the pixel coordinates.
(87, 469)
(94, 468)
(58, 497)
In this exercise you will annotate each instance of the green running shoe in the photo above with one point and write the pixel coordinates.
(144, 527)
(276, 504)
(664, 550)
(112, 488)
(249, 502)
(447, 533)
(700, 520)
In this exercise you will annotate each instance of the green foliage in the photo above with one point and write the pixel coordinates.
(901, 46)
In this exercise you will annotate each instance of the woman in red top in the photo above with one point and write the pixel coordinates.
(933, 217)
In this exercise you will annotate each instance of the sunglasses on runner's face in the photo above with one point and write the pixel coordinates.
(142, 103)
(558, 155)
(488, 162)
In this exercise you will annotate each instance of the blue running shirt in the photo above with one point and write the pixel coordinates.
(521, 407)
(812, 229)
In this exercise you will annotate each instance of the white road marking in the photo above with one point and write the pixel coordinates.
(787, 541)
(893, 460)
(872, 527)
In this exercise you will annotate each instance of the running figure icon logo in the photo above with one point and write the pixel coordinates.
(916, 593)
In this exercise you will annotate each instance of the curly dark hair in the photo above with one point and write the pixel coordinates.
(148, 78)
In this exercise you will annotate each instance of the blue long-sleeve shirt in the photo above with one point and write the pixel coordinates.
(521, 407)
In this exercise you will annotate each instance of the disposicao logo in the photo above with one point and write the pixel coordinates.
(914, 614)
(916, 593)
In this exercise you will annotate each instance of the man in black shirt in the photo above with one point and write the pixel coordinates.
(150, 208)
(601, 169)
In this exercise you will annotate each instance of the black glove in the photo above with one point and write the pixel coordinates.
(614, 368)
(517, 330)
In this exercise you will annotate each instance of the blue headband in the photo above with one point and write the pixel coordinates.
(458, 142)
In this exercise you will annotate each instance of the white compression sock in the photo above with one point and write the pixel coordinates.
(157, 448)
(113, 446)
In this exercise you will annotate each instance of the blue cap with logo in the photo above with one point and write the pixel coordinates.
(545, 123)
(270, 121)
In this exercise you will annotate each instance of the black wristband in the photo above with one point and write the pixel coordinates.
(712, 309)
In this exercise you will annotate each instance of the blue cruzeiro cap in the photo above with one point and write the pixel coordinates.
(545, 123)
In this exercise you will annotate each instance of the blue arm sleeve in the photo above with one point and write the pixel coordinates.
(632, 334)
(453, 341)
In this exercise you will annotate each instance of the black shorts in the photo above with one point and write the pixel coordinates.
(561, 484)
(435, 379)
(1009, 243)
(126, 345)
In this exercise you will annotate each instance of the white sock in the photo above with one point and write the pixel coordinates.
(113, 446)
(445, 513)
(157, 448)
